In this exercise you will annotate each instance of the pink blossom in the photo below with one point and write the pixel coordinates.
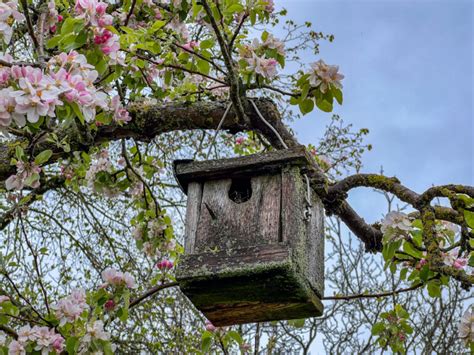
(15, 348)
(60, 18)
(452, 259)
(117, 278)
(4, 298)
(324, 76)
(27, 173)
(7, 109)
(8, 14)
(70, 309)
(191, 45)
(460, 263)
(94, 12)
(239, 140)
(121, 115)
(158, 15)
(261, 65)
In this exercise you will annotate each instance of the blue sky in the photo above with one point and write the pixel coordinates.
(409, 79)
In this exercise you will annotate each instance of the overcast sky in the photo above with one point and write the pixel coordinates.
(408, 69)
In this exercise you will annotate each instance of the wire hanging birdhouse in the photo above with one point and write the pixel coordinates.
(254, 248)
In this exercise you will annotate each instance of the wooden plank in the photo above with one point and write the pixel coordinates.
(192, 215)
(186, 171)
(235, 262)
(226, 225)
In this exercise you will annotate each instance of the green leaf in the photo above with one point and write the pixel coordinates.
(297, 323)
(323, 105)
(337, 93)
(434, 289)
(306, 106)
(72, 344)
(235, 8)
(206, 44)
(408, 248)
(469, 217)
(43, 157)
(203, 66)
(78, 112)
(206, 344)
(236, 336)
(19, 152)
(378, 328)
(53, 42)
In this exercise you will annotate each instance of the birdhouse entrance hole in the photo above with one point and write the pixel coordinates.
(240, 190)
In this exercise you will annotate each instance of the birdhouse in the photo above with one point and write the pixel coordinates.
(254, 247)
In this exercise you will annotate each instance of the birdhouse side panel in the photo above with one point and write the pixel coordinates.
(193, 209)
(306, 237)
(226, 222)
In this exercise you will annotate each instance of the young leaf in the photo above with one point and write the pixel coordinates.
(43, 157)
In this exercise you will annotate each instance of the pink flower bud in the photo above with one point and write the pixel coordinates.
(109, 305)
(421, 263)
(239, 140)
(210, 327)
(165, 265)
(60, 18)
(158, 15)
(53, 29)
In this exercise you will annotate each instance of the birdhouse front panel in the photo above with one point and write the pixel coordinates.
(252, 251)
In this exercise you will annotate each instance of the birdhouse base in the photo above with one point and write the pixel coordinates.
(246, 285)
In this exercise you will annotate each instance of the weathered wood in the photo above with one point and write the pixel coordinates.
(192, 215)
(255, 164)
(251, 256)
(253, 284)
(225, 224)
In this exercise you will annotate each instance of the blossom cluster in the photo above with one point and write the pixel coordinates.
(8, 15)
(27, 174)
(70, 308)
(261, 57)
(28, 93)
(41, 339)
(324, 76)
(94, 14)
(151, 237)
(116, 278)
(453, 259)
(396, 225)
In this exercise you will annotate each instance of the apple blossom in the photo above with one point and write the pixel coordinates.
(70, 308)
(261, 65)
(16, 348)
(27, 174)
(466, 326)
(121, 115)
(324, 76)
(272, 43)
(396, 224)
(452, 259)
(4, 298)
(9, 13)
(116, 278)
(3, 339)
(95, 330)
(239, 140)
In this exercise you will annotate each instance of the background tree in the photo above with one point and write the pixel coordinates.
(96, 100)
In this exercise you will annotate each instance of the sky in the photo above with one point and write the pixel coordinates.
(408, 69)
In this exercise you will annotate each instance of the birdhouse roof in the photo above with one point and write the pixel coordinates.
(187, 171)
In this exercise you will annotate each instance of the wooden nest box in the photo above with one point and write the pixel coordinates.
(250, 254)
